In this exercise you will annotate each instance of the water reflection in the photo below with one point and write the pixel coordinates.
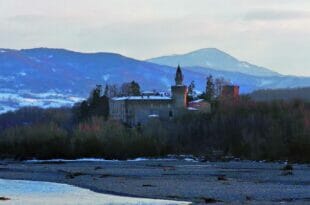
(35, 193)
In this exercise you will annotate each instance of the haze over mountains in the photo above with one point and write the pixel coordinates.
(55, 77)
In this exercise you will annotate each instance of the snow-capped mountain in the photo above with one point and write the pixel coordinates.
(57, 77)
(214, 59)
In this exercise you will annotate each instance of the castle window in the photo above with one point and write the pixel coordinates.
(170, 113)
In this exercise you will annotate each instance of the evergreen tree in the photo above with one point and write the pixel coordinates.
(113, 91)
(106, 90)
(190, 93)
(210, 88)
(96, 105)
(135, 88)
(94, 99)
(130, 89)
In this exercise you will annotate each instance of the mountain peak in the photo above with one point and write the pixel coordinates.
(215, 59)
(207, 50)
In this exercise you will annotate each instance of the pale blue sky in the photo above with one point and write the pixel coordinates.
(271, 33)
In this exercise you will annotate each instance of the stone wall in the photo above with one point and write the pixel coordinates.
(117, 110)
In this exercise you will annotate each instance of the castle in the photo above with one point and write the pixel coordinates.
(137, 110)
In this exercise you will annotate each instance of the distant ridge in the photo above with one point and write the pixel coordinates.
(215, 59)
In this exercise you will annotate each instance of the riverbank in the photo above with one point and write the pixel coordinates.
(184, 180)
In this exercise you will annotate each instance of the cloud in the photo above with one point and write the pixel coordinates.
(27, 18)
(276, 15)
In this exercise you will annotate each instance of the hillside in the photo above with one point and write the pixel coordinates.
(282, 94)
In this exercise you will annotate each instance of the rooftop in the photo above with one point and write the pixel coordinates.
(155, 97)
(197, 101)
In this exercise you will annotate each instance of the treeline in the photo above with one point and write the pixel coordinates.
(282, 94)
(28, 116)
(247, 129)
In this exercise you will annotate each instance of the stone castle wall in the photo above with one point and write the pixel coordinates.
(135, 112)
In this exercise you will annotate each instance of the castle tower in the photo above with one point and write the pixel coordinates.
(178, 76)
(179, 91)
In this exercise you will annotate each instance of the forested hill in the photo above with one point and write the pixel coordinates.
(282, 94)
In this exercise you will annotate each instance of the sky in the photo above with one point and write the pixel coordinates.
(270, 33)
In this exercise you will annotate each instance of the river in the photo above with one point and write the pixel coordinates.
(37, 193)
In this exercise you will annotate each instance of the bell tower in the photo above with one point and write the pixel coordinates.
(179, 91)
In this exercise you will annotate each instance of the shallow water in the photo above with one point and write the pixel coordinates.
(35, 193)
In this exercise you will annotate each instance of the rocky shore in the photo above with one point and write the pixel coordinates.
(234, 182)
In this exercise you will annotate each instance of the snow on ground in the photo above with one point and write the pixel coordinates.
(35, 59)
(11, 100)
(208, 64)
(244, 64)
(7, 78)
(4, 109)
(187, 158)
(71, 160)
(106, 77)
(22, 73)
(265, 82)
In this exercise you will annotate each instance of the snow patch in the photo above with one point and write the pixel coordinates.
(7, 78)
(153, 116)
(197, 101)
(192, 108)
(76, 99)
(106, 77)
(139, 159)
(11, 100)
(208, 64)
(22, 73)
(142, 98)
(190, 160)
(35, 59)
(264, 82)
(4, 109)
(71, 160)
(243, 64)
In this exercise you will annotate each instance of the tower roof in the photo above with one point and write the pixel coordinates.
(178, 76)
